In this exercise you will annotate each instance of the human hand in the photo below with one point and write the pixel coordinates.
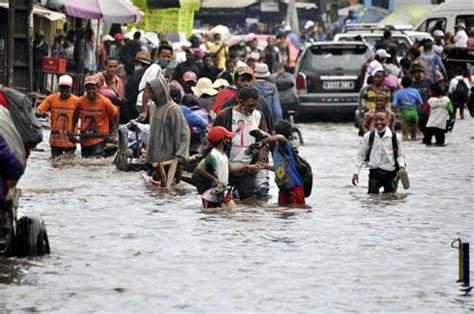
(142, 116)
(355, 179)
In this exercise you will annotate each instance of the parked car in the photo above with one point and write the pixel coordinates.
(447, 15)
(327, 79)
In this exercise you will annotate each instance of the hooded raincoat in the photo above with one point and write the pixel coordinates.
(169, 132)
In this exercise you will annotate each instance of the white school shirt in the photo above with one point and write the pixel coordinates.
(381, 155)
(454, 83)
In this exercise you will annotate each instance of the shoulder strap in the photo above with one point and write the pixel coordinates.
(395, 147)
(371, 143)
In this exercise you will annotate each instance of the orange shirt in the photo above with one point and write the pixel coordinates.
(62, 111)
(95, 117)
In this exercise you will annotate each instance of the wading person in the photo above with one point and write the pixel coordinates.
(287, 178)
(215, 168)
(61, 106)
(381, 150)
(440, 109)
(381, 101)
(407, 100)
(99, 118)
(169, 132)
(241, 119)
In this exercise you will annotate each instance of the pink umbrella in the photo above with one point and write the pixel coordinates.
(113, 11)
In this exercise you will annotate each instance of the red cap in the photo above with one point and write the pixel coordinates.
(91, 80)
(189, 76)
(218, 133)
(118, 36)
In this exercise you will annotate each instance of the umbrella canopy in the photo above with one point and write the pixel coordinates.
(112, 11)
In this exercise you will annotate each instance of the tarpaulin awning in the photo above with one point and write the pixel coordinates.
(112, 11)
(365, 13)
(408, 14)
(214, 4)
(38, 10)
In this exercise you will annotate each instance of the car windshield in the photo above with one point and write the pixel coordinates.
(329, 58)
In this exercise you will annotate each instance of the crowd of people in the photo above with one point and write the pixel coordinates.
(215, 94)
(224, 94)
(421, 91)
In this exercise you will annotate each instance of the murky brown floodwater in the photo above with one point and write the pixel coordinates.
(118, 246)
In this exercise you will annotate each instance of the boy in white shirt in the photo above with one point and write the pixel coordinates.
(440, 109)
(381, 151)
(212, 177)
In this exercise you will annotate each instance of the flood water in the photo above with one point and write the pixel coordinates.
(118, 246)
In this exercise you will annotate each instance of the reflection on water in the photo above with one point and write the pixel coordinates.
(123, 247)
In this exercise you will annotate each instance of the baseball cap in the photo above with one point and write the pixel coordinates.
(65, 80)
(218, 133)
(91, 80)
(383, 53)
(189, 76)
(245, 69)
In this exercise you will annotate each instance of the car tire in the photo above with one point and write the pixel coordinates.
(31, 237)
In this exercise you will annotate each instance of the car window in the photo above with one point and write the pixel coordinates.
(466, 19)
(430, 25)
(402, 43)
(328, 58)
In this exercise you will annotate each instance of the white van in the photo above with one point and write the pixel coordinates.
(447, 15)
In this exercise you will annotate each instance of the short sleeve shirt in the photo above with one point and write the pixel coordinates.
(62, 111)
(242, 125)
(94, 117)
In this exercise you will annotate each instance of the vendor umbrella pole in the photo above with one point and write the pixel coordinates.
(97, 44)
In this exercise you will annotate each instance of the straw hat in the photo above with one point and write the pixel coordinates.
(203, 86)
(143, 57)
(220, 83)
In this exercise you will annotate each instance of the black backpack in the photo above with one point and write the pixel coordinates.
(461, 92)
(304, 169)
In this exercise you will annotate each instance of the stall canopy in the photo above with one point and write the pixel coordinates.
(41, 11)
(408, 14)
(112, 11)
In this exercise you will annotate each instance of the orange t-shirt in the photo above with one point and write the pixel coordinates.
(95, 117)
(62, 111)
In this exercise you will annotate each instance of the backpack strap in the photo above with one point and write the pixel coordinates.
(371, 143)
(395, 149)
(394, 145)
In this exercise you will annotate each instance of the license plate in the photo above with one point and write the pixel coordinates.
(338, 85)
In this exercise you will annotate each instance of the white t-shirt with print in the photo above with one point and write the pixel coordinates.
(242, 125)
(438, 112)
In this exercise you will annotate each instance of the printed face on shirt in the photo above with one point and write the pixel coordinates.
(90, 124)
(62, 123)
(240, 125)
(111, 67)
(380, 120)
